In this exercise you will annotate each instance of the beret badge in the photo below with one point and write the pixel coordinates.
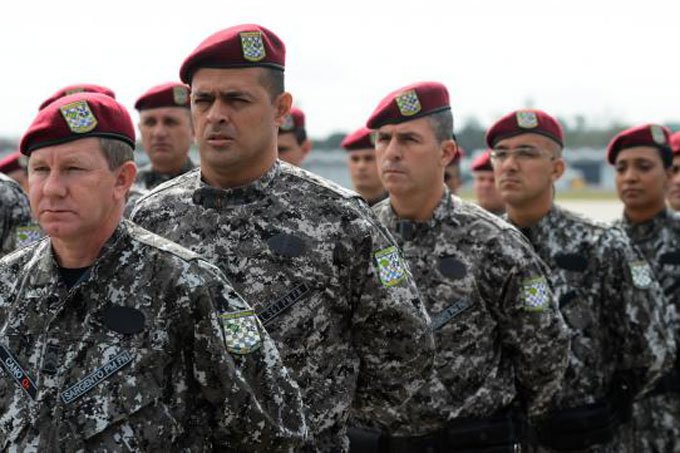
(252, 46)
(408, 103)
(79, 117)
(527, 120)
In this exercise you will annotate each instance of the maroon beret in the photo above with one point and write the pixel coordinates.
(78, 88)
(241, 46)
(11, 162)
(295, 120)
(77, 116)
(460, 153)
(410, 102)
(359, 139)
(675, 143)
(523, 122)
(645, 135)
(171, 94)
(482, 162)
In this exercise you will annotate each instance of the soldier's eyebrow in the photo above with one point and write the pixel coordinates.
(409, 134)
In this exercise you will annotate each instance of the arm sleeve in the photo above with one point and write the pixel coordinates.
(241, 371)
(393, 336)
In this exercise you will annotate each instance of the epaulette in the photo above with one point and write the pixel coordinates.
(153, 240)
(317, 180)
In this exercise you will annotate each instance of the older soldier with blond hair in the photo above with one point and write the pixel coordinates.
(113, 338)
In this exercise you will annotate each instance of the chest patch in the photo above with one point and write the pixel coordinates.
(670, 258)
(285, 244)
(571, 261)
(452, 267)
(125, 320)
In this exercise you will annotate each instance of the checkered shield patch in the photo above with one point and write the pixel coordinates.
(390, 266)
(242, 332)
(641, 274)
(79, 117)
(28, 234)
(408, 103)
(536, 294)
(252, 46)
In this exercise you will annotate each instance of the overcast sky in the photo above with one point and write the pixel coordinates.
(609, 60)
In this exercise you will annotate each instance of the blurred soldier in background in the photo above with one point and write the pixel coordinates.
(362, 166)
(484, 184)
(293, 143)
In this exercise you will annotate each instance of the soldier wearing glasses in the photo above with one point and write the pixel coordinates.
(605, 289)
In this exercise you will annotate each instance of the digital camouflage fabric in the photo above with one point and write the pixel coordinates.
(325, 279)
(607, 295)
(500, 338)
(151, 350)
(656, 417)
(16, 226)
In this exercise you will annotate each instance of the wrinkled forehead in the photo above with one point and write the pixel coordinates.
(178, 113)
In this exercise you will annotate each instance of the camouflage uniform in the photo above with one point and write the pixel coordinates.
(136, 356)
(606, 294)
(656, 418)
(476, 275)
(325, 278)
(147, 178)
(16, 226)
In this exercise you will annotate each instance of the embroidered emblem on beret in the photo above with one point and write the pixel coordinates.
(252, 45)
(408, 103)
(526, 120)
(79, 117)
(180, 95)
(657, 134)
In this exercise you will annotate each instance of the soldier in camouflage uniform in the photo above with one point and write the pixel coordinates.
(16, 226)
(642, 160)
(501, 339)
(606, 291)
(113, 338)
(167, 133)
(325, 278)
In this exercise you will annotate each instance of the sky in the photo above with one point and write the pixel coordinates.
(607, 60)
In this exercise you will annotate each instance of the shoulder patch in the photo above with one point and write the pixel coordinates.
(241, 331)
(641, 274)
(536, 294)
(391, 269)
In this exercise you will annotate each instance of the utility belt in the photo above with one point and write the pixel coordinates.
(497, 434)
(579, 427)
(669, 383)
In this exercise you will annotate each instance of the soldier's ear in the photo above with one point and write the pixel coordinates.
(449, 150)
(558, 168)
(125, 177)
(282, 103)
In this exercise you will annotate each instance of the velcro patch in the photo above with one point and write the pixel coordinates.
(95, 378)
(641, 274)
(390, 266)
(12, 367)
(536, 294)
(241, 331)
(79, 117)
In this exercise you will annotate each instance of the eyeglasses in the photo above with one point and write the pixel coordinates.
(520, 154)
